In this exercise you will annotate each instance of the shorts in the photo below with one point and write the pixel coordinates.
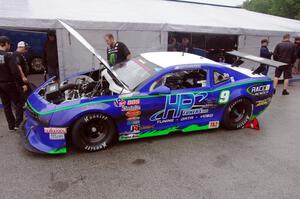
(286, 70)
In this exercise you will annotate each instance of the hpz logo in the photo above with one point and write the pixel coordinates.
(259, 89)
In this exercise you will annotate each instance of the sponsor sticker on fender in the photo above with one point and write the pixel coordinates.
(213, 124)
(55, 130)
(263, 102)
(56, 136)
(135, 128)
(259, 89)
(133, 113)
(122, 103)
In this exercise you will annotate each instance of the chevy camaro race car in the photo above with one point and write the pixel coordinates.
(152, 94)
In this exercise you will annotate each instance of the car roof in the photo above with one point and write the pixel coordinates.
(168, 59)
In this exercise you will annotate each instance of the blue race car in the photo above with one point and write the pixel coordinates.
(153, 94)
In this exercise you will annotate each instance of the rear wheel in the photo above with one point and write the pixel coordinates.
(93, 132)
(237, 114)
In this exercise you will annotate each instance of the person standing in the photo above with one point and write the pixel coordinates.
(20, 60)
(185, 46)
(117, 51)
(50, 56)
(10, 81)
(265, 53)
(173, 45)
(284, 52)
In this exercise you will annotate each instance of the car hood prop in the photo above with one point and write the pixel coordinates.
(86, 44)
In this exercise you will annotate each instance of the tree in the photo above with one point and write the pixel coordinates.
(284, 8)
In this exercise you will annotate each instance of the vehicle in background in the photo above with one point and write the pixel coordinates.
(36, 40)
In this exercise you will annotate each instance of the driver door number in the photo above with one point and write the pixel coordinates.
(224, 97)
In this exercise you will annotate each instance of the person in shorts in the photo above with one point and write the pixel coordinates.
(284, 52)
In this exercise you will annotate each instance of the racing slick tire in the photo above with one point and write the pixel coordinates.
(237, 114)
(93, 132)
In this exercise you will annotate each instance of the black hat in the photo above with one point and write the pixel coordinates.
(4, 39)
(51, 33)
(264, 41)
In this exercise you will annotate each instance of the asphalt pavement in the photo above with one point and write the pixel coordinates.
(243, 164)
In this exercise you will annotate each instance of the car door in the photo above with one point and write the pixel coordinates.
(186, 103)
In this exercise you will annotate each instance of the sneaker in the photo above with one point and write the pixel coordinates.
(285, 92)
(11, 129)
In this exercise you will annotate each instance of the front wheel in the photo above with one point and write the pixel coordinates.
(93, 132)
(237, 114)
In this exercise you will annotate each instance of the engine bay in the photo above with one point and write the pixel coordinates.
(82, 86)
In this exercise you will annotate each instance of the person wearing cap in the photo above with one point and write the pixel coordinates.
(10, 80)
(20, 60)
(50, 55)
(265, 53)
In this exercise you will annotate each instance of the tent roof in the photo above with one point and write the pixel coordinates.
(157, 15)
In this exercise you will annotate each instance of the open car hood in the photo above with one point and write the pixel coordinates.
(86, 44)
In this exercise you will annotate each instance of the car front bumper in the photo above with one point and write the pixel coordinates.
(36, 140)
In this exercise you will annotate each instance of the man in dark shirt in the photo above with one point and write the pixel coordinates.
(265, 53)
(9, 85)
(116, 51)
(20, 60)
(284, 52)
(50, 55)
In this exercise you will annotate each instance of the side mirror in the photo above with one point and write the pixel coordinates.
(160, 90)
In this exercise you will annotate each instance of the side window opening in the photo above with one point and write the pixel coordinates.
(219, 77)
(182, 80)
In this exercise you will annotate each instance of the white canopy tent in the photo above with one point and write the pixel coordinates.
(142, 25)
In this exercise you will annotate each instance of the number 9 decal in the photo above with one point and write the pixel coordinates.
(224, 97)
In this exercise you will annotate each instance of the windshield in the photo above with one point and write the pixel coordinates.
(135, 71)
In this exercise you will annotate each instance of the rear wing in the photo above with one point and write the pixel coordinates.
(253, 58)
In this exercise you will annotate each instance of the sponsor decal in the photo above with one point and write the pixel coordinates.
(133, 118)
(128, 105)
(129, 136)
(259, 89)
(165, 121)
(189, 106)
(145, 127)
(131, 108)
(56, 136)
(119, 103)
(131, 122)
(135, 128)
(133, 102)
(207, 115)
(213, 124)
(133, 113)
(263, 102)
(55, 130)
(187, 118)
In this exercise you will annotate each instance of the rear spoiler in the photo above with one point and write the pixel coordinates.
(253, 58)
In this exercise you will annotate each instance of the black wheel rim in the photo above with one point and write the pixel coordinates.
(95, 131)
(238, 113)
